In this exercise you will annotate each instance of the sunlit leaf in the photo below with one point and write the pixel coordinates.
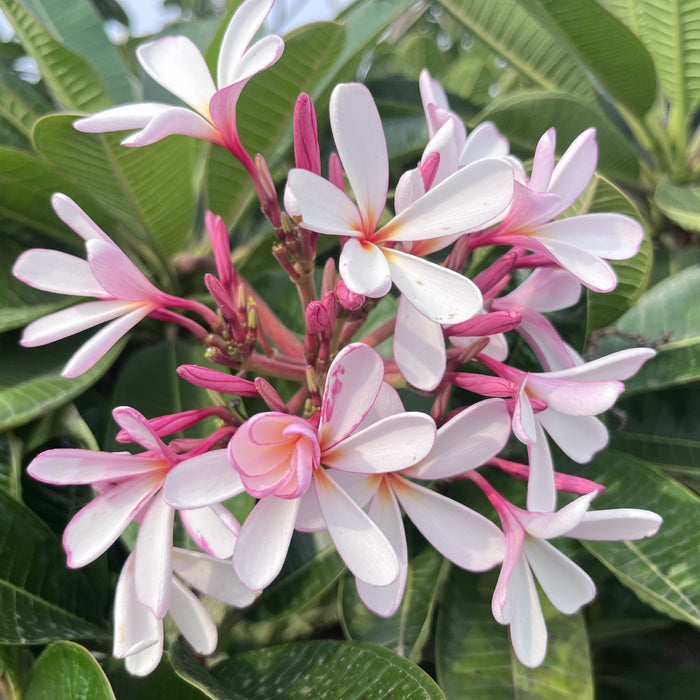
(680, 203)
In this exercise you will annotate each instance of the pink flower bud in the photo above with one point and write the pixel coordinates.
(316, 317)
(486, 324)
(335, 172)
(269, 395)
(218, 381)
(484, 384)
(348, 300)
(218, 235)
(306, 151)
(493, 274)
(275, 454)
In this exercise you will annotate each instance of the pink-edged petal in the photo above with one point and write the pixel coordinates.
(131, 116)
(391, 444)
(324, 207)
(135, 626)
(460, 534)
(214, 577)
(209, 531)
(352, 385)
(145, 662)
(502, 601)
(528, 632)
(388, 403)
(580, 437)
(361, 544)
(575, 168)
(546, 289)
(466, 441)
(202, 480)
(548, 525)
(524, 426)
(223, 113)
(364, 268)
(94, 349)
(484, 141)
(152, 564)
(74, 217)
(359, 138)
(566, 584)
(176, 63)
(174, 120)
(419, 347)
(57, 272)
(139, 429)
(463, 202)
(409, 187)
(444, 145)
(264, 540)
(431, 93)
(543, 161)
(442, 295)
(96, 526)
(192, 619)
(616, 524)
(72, 466)
(541, 491)
(310, 517)
(261, 55)
(572, 397)
(384, 510)
(619, 365)
(75, 319)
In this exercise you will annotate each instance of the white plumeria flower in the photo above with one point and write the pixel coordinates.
(177, 64)
(515, 599)
(461, 203)
(130, 489)
(138, 633)
(281, 459)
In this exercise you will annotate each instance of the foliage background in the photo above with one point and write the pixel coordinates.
(631, 69)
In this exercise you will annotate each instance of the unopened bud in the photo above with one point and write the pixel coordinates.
(267, 192)
(496, 272)
(330, 303)
(347, 299)
(269, 395)
(218, 236)
(307, 154)
(316, 317)
(486, 324)
(335, 172)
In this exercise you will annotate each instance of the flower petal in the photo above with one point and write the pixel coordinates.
(575, 168)
(546, 289)
(214, 577)
(573, 397)
(528, 632)
(364, 268)
(460, 534)
(361, 544)
(541, 491)
(192, 619)
(616, 524)
(96, 526)
(261, 55)
(147, 660)
(172, 121)
(548, 525)
(444, 296)
(359, 138)
(209, 531)
(152, 564)
(618, 365)
(566, 584)
(132, 116)
(202, 480)
(484, 141)
(419, 347)
(264, 540)
(176, 63)
(57, 272)
(391, 444)
(74, 217)
(580, 437)
(466, 441)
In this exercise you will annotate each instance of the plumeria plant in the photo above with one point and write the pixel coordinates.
(368, 430)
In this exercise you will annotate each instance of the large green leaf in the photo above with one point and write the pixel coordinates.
(665, 315)
(533, 47)
(669, 31)
(30, 378)
(20, 104)
(40, 598)
(523, 117)
(615, 55)
(408, 629)
(161, 684)
(151, 190)
(663, 570)
(306, 669)
(474, 658)
(67, 671)
(78, 25)
(680, 203)
(71, 79)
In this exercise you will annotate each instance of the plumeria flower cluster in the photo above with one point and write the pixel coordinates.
(341, 454)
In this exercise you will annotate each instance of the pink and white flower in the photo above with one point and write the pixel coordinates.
(461, 203)
(130, 489)
(281, 458)
(176, 63)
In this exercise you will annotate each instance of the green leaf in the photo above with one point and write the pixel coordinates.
(662, 570)
(523, 117)
(474, 657)
(30, 378)
(668, 30)
(67, 671)
(664, 314)
(408, 629)
(40, 598)
(20, 104)
(72, 80)
(78, 25)
(534, 48)
(680, 203)
(632, 275)
(615, 55)
(301, 669)
(150, 190)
